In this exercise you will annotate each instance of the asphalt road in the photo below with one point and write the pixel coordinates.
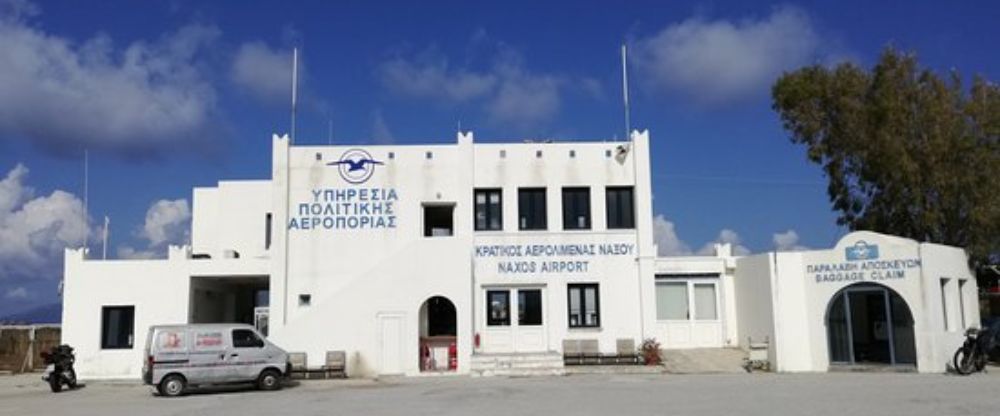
(837, 394)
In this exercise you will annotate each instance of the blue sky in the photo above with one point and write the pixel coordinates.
(172, 95)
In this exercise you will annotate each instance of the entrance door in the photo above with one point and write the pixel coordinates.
(390, 328)
(688, 312)
(870, 324)
(506, 332)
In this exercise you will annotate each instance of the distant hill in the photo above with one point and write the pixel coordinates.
(45, 314)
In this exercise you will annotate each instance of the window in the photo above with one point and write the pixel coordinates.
(489, 209)
(621, 213)
(944, 304)
(704, 302)
(438, 220)
(961, 299)
(245, 338)
(584, 306)
(267, 230)
(576, 208)
(531, 209)
(529, 307)
(117, 327)
(671, 301)
(305, 299)
(498, 308)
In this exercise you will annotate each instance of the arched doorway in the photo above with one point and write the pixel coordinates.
(438, 329)
(868, 323)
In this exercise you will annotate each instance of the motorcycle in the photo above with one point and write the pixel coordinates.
(974, 353)
(59, 370)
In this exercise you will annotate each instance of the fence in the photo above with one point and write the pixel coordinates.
(21, 346)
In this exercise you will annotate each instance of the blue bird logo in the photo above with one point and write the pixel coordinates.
(356, 166)
(353, 165)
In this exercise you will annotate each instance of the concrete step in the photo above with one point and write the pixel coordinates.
(703, 360)
(517, 364)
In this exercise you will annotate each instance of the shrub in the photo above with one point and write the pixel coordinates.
(650, 351)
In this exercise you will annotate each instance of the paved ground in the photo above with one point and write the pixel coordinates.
(617, 395)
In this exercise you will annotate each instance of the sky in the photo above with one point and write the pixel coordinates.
(166, 96)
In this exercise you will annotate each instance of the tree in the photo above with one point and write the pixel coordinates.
(906, 151)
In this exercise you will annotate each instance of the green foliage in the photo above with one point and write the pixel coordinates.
(906, 151)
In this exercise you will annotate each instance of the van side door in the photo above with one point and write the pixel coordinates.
(208, 356)
(250, 355)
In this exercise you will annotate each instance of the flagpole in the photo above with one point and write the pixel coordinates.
(86, 199)
(104, 248)
(295, 87)
(628, 122)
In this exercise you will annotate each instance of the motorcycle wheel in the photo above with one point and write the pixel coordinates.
(55, 383)
(71, 378)
(964, 361)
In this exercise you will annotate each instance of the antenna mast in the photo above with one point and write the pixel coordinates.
(295, 87)
(104, 248)
(628, 122)
(86, 197)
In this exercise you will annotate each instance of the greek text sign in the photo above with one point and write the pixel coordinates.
(350, 209)
(550, 258)
(862, 263)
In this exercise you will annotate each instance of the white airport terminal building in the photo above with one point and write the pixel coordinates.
(469, 257)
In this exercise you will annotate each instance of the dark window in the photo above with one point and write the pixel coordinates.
(267, 230)
(576, 208)
(438, 220)
(531, 209)
(621, 211)
(245, 338)
(498, 308)
(489, 209)
(584, 306)
(117, 327)
(529, 307)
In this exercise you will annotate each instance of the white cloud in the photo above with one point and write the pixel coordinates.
(130, 253)
(524, 98)
(716, 61)
(506, 91)
(264, 72)
(667, 241)
(17, 293)
(64, 94)
(34, 231)
(726, 236)
(429, 76)
(167, 222)
(787, 241)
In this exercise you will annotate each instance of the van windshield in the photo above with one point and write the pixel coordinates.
(245, 338)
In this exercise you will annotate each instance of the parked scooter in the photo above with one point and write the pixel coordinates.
(974, 353)
(60, 368)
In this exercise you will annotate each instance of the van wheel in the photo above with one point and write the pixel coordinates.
(172, 386)
(269, 380)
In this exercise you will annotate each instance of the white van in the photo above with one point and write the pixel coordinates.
(178, 356)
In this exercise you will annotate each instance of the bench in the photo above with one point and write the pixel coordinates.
(335, 366)
(587, 352)
(626, 352)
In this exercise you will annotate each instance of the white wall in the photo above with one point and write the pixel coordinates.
(231, 216)
(910, 269)
(755, 301)
(939, 262)
(157, 288)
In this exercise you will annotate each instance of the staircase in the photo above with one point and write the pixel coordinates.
(517, 364)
